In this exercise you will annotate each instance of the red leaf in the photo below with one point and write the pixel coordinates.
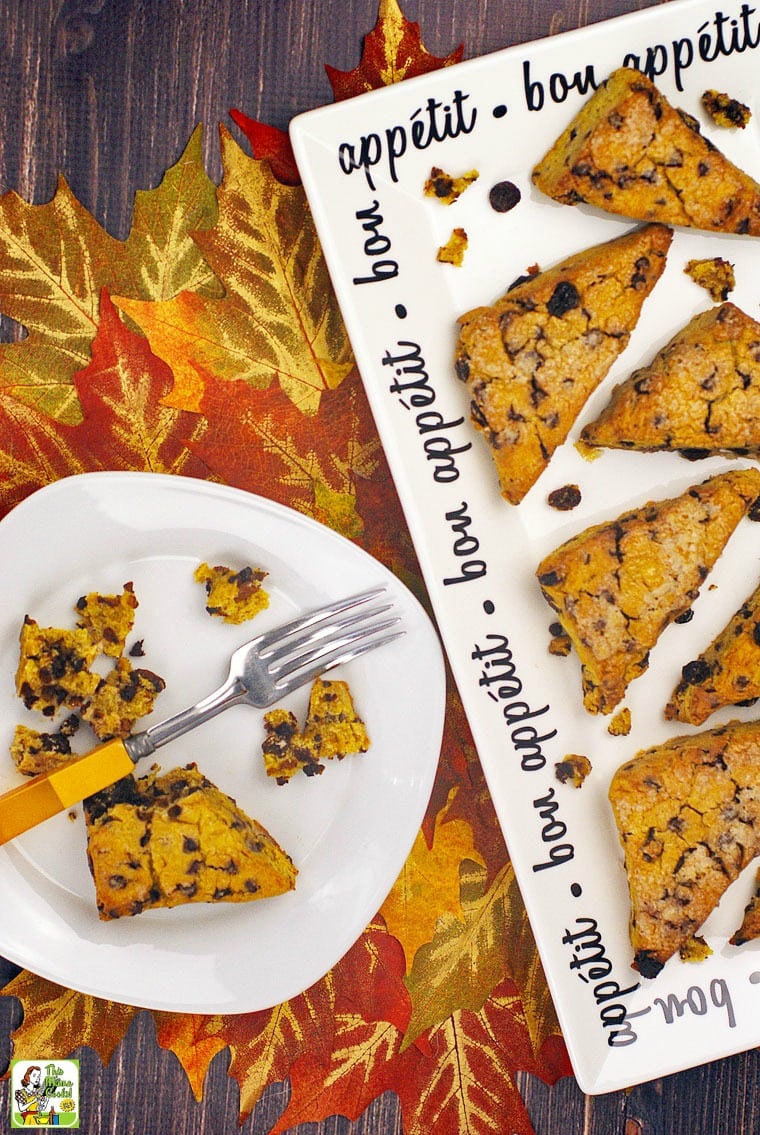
(392, 51)
(272, 144)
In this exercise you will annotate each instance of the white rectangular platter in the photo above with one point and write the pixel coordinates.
(364, 163)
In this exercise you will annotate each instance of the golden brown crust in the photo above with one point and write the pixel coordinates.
(532, 359)
(333, 728)
(700, 394)
(688, 817)
(234, 596)
(162, 841)
(726, 673)
(617, 585)
(629, 152)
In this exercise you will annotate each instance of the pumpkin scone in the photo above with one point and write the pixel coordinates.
(700, 394)
(532, 359)
(164, 840)
(108, 619)
(617, 585)
(120, 699)
(54, 667)
(630, 152)
(333, 728)
(750, 926)
(688, 817)
(34, 752)
(233, 595)
(726, 673)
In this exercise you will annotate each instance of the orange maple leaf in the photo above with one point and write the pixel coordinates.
(429, 884)
(392, 51)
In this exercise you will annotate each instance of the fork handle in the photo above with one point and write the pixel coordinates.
(52, 792)
(143, 744)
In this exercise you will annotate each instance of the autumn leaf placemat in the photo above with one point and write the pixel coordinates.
(209, 343)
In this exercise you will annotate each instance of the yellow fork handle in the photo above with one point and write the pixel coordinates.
(49, 793)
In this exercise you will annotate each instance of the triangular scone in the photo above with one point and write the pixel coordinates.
(617, 585)
(700, 394)
(176, 838)
(727, 673)
(532, 359)
(628, 151)
(750, 927)
(688, 817)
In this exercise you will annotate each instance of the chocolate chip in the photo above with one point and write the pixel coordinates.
(694, 673)
(563, 299)
(504, 196)
(565, 498)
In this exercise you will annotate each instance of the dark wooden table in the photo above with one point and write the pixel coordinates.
(107, 92)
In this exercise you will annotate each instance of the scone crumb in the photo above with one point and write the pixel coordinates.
(233, 595)
(725, 110)
(445, 187)
(714, 274)
(452, 252)
(573, 769)
(695, 950)
(620, 726)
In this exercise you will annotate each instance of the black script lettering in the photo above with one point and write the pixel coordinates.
(465, 545)
(553, 829)
(559, 86)
(498, 668)
(410, 367)
(593, 967)
(696, 1002)
(376, 244)
(434, 121)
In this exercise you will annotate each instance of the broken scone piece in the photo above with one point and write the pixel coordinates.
(630, 152)
(688, 817)
(120, 699)
(34, 752)
(726, 673)
(531, 361)
(332, 729)
(617, 585)
(54, 667)
(446, 187)
(234, 596)
(164, 840)
(108, 619)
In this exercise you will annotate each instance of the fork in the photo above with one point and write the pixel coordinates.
(261, 672)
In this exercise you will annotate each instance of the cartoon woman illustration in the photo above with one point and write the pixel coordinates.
(31, 1099)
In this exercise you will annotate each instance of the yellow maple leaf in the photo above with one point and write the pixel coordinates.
(429, 883)
(58, 1020)
(279, 317)
(195, 1040)
(466, 958)
(57, 260)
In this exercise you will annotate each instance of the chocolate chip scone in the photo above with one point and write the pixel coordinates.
(54, 667)
(750, 926)
(332, 729)
(532, 360)
(233, 595)
(630, 152)
(120, 699)
(108, 619)
(700, 394)
(726, 673)
(617, 585)
(175, 838)
(688, 817)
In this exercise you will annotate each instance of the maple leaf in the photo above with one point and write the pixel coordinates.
(312, 464)
(466, 958)
(392, 51)
(124, 424)
(429, 883)
(57, 259)
(279, 317)
(272, 144)
(59, 1020)
(471, 1086)
(195, 1040)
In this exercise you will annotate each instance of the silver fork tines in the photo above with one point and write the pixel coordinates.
(282, 660)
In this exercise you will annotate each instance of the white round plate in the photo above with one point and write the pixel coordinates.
(348, 831)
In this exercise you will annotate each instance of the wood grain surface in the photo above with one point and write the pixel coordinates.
(107, 93)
